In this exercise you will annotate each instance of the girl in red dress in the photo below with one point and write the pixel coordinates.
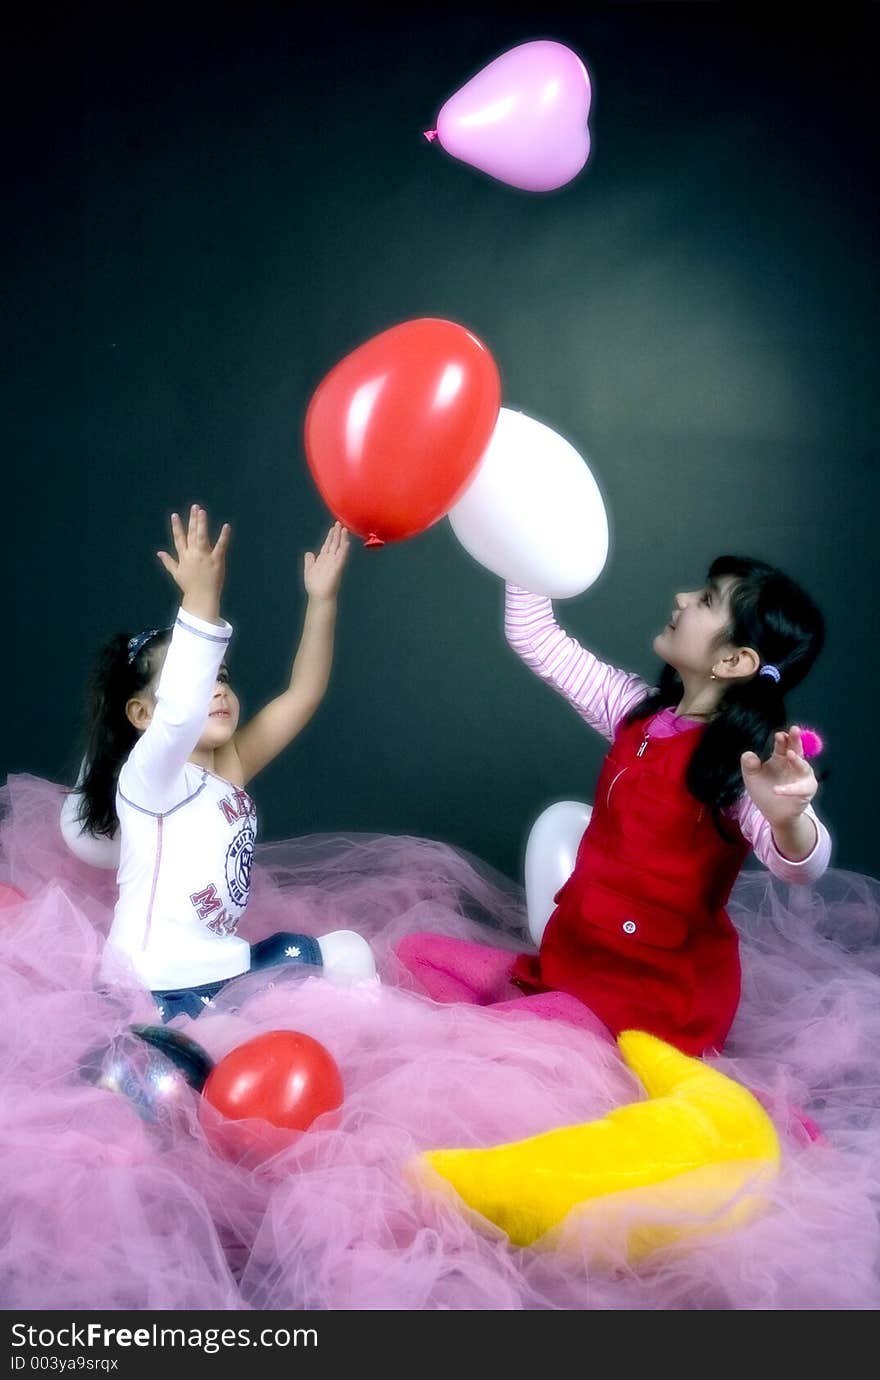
(702, 770)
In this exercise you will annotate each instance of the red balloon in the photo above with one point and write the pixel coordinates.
(395, 431)
(10, 895)
(283, 1077)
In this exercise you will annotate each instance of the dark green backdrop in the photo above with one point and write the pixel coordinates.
(206, 209)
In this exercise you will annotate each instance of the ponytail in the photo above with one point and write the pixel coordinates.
(110, 735)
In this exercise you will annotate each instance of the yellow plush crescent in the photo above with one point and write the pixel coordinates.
(695, 1158)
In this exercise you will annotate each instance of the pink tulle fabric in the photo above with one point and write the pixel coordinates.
(98, 1211)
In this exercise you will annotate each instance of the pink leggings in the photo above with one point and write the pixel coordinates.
(455, 970)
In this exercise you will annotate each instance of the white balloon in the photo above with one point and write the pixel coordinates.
(96, 850)
(347, 958)
(551, 851)
(533, 513)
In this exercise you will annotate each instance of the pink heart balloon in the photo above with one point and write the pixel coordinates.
(522, 119)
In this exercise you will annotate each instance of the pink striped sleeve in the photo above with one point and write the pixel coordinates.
(757, 830)
(598, 692)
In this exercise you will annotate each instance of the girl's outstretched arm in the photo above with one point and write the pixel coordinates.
(775, 813)
(271, 730)
(151, 776)
(600, 693)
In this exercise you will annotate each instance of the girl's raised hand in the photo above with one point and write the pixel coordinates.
(200, 568)
(322, 573)
(783, 786)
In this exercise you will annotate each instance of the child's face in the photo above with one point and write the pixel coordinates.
(689, 642)
(223, 711)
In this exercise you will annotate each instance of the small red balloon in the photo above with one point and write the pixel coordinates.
(395, 431)
(283, 1077)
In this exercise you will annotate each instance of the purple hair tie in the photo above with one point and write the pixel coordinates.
(772, 672)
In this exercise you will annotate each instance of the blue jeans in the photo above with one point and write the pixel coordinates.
(278, 948)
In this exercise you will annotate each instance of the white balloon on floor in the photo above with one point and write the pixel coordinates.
(347, 958)
(533, 513)
(551, 851)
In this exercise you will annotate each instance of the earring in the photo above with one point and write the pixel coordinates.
(712, 676)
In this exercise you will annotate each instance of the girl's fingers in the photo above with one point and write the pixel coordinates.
(799, 762)
(177, 535)
(805, 785)
(168, 563)
(223, 540)
(795, 739)
(192, 524)
(202, 528)
(335, 543)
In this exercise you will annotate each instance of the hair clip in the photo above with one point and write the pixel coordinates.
(772, 672)
(137, 643)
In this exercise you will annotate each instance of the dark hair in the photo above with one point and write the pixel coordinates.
(110, 734)
(775, 616)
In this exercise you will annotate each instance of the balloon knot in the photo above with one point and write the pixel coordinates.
(373, 540)
(430, 135)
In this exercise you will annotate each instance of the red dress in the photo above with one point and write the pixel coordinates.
(640, 933)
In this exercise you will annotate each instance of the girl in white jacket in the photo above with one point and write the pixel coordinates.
(167, 766)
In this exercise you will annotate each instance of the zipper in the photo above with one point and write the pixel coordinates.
(156, 866)
(640, 753)
(613, 784)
